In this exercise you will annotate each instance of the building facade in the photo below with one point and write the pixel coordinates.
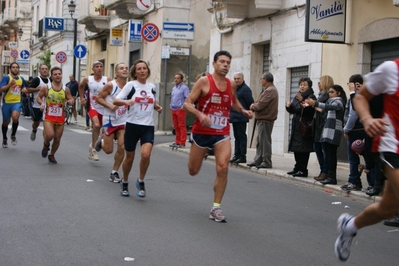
(268, 36)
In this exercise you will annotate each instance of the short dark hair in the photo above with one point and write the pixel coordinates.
(181, 76)
(13, 63)
(54, 69)
(268, 77)
(307, 80)
(220, 53)
(357, 78)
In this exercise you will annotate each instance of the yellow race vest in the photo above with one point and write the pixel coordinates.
(13, 94)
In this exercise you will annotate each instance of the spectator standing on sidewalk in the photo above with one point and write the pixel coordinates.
(179, 94)
(73, 86)
(333, 128)
(353, 130)
(239, 121)
(384, 80)
(324, 84)
(214, 96)
(265, 109)
(301, 145)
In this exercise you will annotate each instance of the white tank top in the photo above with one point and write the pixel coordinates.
(35, 103)
(118, 117)
(94, 88)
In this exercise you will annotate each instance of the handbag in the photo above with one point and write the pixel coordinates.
(306, 127)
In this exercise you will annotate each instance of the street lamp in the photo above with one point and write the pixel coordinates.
(72, 8)
(21, 33)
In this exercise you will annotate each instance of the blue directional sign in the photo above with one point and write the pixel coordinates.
(80, 51)
(178, 26)
(55, 24)
(24, 54)
(135, 30)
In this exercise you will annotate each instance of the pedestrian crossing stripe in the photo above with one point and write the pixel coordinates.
(80, 131)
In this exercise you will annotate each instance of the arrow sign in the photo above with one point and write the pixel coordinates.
(178, 26)
(79, 51)
(24, 54)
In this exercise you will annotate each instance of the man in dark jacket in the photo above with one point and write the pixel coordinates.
(73, 86)
(239, 121)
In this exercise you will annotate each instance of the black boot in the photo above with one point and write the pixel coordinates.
(301, 174)
(374, 191)
(329, 181)
(293, 171)
(242, 159)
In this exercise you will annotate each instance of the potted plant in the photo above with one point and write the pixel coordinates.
(101, 10)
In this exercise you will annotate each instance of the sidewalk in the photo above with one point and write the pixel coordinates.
(283, 164)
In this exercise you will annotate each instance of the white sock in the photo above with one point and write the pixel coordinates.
(351, 227)
(113, 172)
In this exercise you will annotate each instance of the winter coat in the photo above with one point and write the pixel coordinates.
(244, 96)
(320, 118)
(333, 128)
(297, 142)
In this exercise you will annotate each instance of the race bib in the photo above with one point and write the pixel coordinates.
(54, 110)
(219, 119)
(143, 105)
(16, 90)
(121, 112)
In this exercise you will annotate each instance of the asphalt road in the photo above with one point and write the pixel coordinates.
(70, 214)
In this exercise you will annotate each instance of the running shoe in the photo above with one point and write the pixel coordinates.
(51, 159)
(172, 145)
(45, 150)
(98, 144)
(5, 145)
(114, 177)
(92, 154)
(13, 140)
(140, 189)
(124, 189)
(344, 240)
(33, 135)
(216, 214)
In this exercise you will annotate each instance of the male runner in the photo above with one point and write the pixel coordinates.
(114, 119)
(56, 96)
(34, 88)
(11, 86)
(214, 95)
(95, 84)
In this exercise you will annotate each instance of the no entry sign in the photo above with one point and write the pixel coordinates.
(150, 32)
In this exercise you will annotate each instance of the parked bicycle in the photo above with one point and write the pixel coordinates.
(68, 114)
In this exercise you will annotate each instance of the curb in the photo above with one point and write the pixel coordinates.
(282, 174)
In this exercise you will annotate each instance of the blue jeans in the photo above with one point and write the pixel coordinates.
(321, 156)
(353, 158)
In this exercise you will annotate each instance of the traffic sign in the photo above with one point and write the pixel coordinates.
(61, 57)
(135, 30)
(143, 5)
(150, 32)
(178, 30)
(178, 26)
(14, 53)
(80, 51)
(24, 54)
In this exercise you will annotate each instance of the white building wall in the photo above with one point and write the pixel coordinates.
(285, 33)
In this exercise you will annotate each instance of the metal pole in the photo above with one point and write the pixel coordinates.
(164, 94)
(75, 35)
